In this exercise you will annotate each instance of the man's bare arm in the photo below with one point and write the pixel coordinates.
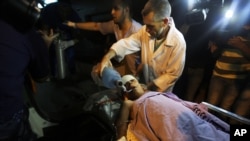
(94, 26)
(105, 61)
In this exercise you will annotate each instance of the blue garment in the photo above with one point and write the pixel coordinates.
(19, 55)
(110, 77)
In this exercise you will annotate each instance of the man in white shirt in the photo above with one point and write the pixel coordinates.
(162, 47)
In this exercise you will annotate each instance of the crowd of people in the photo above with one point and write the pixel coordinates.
(160, 73)
(156, 53)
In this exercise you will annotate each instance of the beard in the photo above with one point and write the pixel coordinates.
(160, 32)
(157, 34)
(119, 20)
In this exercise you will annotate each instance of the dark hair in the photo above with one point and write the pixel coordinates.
(124, 3)
(161, 8)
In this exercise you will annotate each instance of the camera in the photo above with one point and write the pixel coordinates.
(21, 14)
(200, 9)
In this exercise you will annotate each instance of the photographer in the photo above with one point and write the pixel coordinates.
(24, 52)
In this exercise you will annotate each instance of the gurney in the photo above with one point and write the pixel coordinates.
(227, 113)
(207, 116)
(111, 79)
(98, 110)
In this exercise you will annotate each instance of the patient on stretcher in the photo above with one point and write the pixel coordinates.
(155, 116)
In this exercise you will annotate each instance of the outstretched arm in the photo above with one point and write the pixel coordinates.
(94, 26)
(105, 61)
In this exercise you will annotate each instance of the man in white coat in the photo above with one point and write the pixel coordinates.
(162, 47)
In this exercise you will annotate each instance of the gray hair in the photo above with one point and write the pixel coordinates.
(161, 9)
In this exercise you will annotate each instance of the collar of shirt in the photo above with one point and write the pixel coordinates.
(169, 42)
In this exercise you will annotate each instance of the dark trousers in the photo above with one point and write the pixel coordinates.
(17, 128)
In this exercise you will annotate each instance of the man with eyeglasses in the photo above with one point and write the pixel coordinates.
(162, 47)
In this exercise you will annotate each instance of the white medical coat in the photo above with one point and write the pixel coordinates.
(165, 65)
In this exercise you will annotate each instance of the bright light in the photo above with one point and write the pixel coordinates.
(49, 1)
(46, 2)
(39, 5)
(191, 4)
(229, 14)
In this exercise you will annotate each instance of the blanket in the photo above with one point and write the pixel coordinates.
(164, 117)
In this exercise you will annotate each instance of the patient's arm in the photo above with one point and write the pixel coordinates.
(123, 120)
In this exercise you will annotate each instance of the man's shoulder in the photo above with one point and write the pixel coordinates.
(136, 24)
(175, 37)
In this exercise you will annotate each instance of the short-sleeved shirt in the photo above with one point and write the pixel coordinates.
(19, 54)
(111, 27)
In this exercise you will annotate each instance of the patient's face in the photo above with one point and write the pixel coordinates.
(135, 89)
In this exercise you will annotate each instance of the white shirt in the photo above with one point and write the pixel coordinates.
(165, 65)
(111, 27)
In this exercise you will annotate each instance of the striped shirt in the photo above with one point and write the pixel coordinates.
(232, 64)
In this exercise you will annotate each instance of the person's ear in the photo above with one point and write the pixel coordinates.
(126, 9)
(165, 21)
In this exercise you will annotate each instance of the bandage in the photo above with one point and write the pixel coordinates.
(127, 78)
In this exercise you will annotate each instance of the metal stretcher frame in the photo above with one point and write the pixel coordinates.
(227, 113)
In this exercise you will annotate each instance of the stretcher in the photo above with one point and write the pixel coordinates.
(227, 113)
(62, 104)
